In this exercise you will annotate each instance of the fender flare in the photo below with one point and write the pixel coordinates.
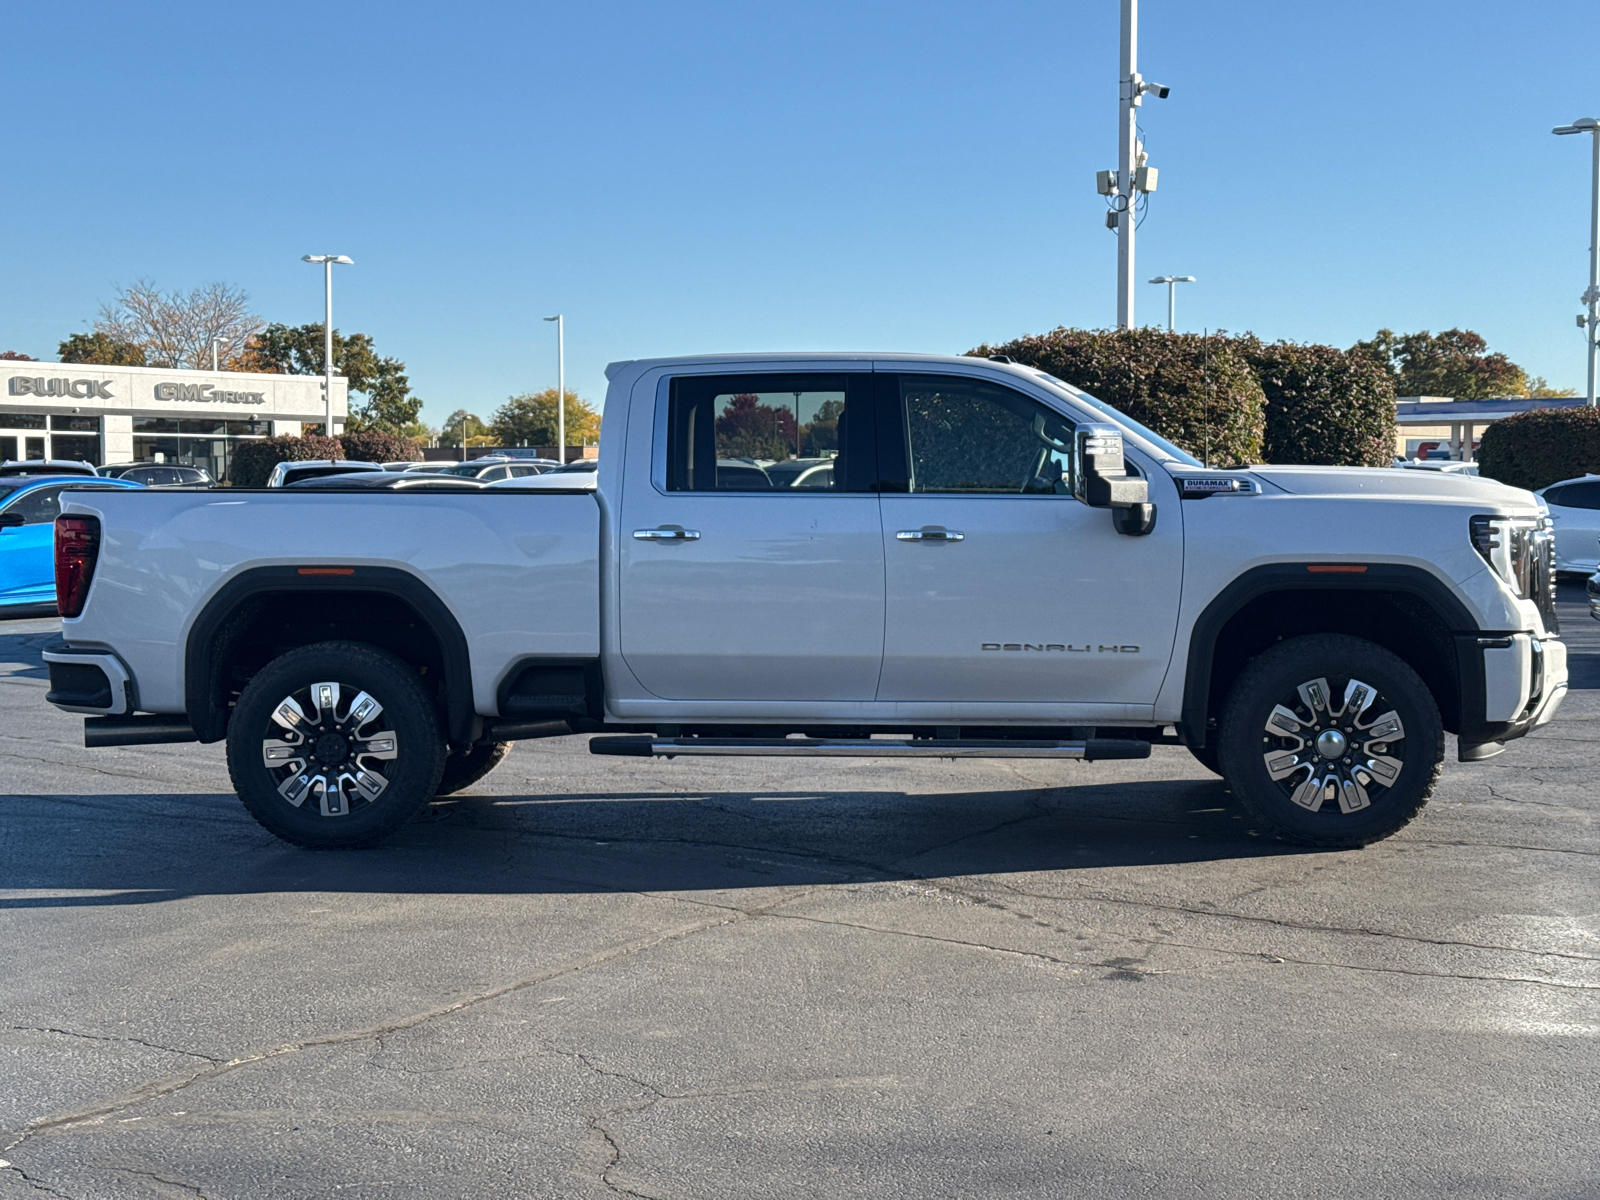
(210, 720)
(1285, 577)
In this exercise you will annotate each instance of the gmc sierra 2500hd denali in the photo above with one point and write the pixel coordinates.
(971, 558)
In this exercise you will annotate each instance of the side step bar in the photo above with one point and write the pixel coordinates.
(142, 730)
(649, 747)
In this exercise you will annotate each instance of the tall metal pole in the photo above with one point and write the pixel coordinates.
(1592, 296)
(561, 387)
(327, 348)
(1172, 302)
(1127, 149)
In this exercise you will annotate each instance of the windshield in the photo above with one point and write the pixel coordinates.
(1128, 423)
(467, 468)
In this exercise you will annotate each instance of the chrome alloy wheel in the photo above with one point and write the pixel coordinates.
(328, 749)
(1317, 753)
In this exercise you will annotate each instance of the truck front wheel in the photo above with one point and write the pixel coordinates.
(335, 745)
(1330, 740)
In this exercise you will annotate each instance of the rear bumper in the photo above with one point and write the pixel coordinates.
(88, 680)
(1511, 684)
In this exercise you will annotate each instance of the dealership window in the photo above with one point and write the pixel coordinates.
(76, 438)
(17, 445)
(206, 442)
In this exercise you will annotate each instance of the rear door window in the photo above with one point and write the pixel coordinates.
(745, 433)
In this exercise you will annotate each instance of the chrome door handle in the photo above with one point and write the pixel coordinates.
(667, 535)
(929, 535)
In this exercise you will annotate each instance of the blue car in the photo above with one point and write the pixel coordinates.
(28, 508)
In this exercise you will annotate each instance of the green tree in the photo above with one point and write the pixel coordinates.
(1456, 363)
(1538, 385)
(477, 432)
(102, 350)
(388, 404)
(530, 420)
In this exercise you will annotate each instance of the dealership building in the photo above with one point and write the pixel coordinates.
(106, 415)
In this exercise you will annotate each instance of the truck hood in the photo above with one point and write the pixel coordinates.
(1393, 481)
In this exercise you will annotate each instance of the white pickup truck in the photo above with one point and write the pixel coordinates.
(871, 555)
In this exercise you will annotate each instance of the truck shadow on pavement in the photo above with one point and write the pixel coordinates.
(121, 850)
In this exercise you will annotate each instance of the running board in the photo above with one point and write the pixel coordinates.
(649, 747)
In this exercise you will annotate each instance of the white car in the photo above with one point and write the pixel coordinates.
(286, 473)
(583, 478)
(1574, 509)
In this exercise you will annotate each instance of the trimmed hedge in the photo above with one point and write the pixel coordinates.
(1535, 449)
(253, 461)
(373, 445)
(1199, 392)
(1324, 407)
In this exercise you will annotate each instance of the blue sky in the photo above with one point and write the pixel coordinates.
(690, 178)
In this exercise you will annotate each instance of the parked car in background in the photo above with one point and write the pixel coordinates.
(1441, 466)
(802, 473)
(286, 473)
(391, 481)
(1573, 506)
(494, 468)
(46, 466)
(153, 474)
(553, 481)
(28, 508)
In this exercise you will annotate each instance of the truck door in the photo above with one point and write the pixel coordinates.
(741, 577)
(1000, 586)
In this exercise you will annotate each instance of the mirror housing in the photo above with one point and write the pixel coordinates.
(10, 521)
(1101, 479)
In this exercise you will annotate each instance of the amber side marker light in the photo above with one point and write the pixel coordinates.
(335, 570)
(1337, 568)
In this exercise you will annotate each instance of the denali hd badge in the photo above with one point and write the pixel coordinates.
(1058, 646)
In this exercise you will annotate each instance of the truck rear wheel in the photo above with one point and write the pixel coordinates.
(335, 745)
(463, 770)
(1331, 740)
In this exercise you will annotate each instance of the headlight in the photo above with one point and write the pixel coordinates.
(1518, 550)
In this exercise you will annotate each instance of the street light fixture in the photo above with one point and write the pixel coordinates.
(327, 261)
(1591, 297)
(1172, 282)
(561, 387)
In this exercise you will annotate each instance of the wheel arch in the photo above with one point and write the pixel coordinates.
(1403, 608)
(312, 604)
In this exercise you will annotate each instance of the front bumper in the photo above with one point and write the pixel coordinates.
(1511, 684)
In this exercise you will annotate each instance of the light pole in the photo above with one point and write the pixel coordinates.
(1132, 176)
(561, 387)
(215, 342)
(1591, 297)
(327, 261)
(1172, 282)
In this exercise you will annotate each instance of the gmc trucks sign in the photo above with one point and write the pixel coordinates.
(204, 392)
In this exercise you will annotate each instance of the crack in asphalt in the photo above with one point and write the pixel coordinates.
(30, 1180)
(177, 1183)
(95, 1037)
(167, 1085)
(1304, 926)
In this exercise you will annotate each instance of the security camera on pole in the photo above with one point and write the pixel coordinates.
(1132, 176)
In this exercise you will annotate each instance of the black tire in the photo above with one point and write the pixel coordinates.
(1206, 755)
(1285, 675)
(464, 770)
(408, 763)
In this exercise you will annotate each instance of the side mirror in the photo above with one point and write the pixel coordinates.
(10, 521)
(1101, 479)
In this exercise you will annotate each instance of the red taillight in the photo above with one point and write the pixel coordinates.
(77, 547)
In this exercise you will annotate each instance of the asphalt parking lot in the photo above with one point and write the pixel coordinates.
(594, 977)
